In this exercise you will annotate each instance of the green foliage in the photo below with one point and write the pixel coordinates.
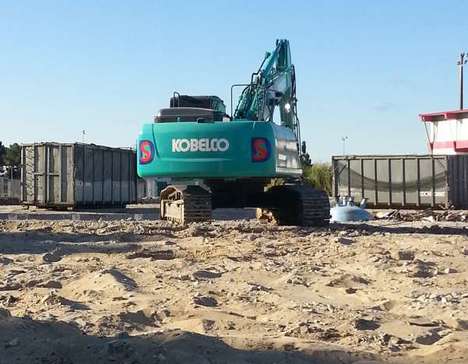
(320, 176)
(10, 157)
(13, 155)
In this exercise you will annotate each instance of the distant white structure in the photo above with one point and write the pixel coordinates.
(447, 131)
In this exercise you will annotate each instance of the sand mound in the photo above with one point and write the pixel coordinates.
(102, 285)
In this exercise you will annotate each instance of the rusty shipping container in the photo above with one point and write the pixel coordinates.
(403, 181)
(58, 175)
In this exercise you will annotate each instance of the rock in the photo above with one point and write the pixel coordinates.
(393, 342)
(364, 324)
(15, 272)
(465, 250)
(385, 305)
(205, 301)
(54, 299)
(163, 254)
(9, 300)
(450, 270)
(384, 214)
(405, 255)
(5, 260)
(206, 274)
(350, 290)
(428, 338)
(51, 284)
(423, 270)
(344, 241)
(296, 280)
(348, 280)
(32, 283)
(271, 252)
(421, 321)
(10, 286)
(428, 219)
(52, 257)
(183, 277)
(259, 287)
(208, 325)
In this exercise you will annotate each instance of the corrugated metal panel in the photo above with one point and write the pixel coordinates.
(458, 181)
(403, 181)
(78, 175)
(10, 191)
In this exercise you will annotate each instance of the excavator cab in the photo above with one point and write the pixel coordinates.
(192, 108)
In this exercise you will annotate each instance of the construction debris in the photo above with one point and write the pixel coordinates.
(427, 215)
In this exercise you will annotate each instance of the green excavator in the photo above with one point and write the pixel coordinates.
(216, 160)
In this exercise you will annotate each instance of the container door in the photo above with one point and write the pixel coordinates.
(458, 181)
(35, 170)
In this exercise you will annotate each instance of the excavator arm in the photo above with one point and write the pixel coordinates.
(273, 85)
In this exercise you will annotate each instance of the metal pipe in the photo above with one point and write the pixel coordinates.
(232, 88)
(461, 64)
(343, 140)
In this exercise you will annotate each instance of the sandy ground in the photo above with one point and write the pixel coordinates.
(232, 291)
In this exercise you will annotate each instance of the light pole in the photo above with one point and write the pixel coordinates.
(343, 140)
(83, 133)
(460, 64)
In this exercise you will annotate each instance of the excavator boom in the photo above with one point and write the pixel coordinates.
(272, 86)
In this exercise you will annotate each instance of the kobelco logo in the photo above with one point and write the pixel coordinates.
(200, 145)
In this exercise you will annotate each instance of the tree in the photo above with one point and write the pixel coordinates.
(10, 160)
(320, 176)
(12, 156)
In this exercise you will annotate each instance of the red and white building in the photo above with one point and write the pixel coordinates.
(447, 131)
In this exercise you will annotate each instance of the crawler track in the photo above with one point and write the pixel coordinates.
(184, 204)
(300, 205)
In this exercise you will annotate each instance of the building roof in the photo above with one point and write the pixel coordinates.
(444, 115)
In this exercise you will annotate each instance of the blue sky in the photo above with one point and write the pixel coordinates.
(365, 69)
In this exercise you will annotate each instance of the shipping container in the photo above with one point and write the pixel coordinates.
(61, 175)
(403, 181)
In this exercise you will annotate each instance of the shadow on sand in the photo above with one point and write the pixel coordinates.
(40, 242)
(51, 342)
